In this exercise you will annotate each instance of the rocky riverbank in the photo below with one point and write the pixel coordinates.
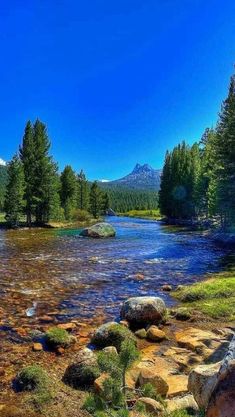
(170, 350)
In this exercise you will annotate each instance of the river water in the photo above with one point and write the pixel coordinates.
(57, 274)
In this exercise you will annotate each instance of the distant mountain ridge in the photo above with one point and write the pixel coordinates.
(143, 177)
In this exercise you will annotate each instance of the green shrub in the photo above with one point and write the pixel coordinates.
(81, 375)
(32, 378)
(58, 337)
(80, 215)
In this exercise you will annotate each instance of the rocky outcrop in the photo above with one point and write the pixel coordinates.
(202, 381)
(99, 230)
(143, 310)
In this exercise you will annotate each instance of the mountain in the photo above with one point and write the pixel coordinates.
(143, 177)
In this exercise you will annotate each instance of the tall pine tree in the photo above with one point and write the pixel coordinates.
(28, 158)
(14, 201)
(82, 191)
(95, 200)
(68, 192)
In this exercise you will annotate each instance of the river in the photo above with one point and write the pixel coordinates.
(55, 275)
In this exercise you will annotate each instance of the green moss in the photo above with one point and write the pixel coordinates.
(58, 337)
(32, 378)
(214, 297)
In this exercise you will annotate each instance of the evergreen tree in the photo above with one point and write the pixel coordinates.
(82, 192)
(44, 168)
(68, 192)
(14, 202)
(95, 200)
(225, 155)
(105, 202)
(28, 158)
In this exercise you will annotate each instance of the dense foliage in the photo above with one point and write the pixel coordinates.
(123, 199)
(199, 181)
(31, 185)
(3, 183)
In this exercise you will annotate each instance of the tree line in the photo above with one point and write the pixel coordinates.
(198, 181)
(35, 188)
(123, 199)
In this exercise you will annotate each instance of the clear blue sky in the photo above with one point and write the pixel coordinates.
(116, 81)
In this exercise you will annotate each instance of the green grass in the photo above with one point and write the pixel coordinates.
(214, 297)
(144, 214)
(58, 337)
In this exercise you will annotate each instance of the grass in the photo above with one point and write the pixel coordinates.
(214, 297)
(144, 214)
(58, 337)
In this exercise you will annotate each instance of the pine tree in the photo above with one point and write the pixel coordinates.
(225, 155)
(82, 191)
(44, 167)
(95, 200)
(28, 158)
(105, 202)
(14, 202)
(68, 192)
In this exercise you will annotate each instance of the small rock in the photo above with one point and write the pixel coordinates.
(67, 326)
(124, 323)
(151, 406)
(110, 349)
(37, 347)
(60, 350)
(155, 335)
(141, 333)
(47, 319)
(167, 288)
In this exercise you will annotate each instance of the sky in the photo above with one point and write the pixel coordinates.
(117, 82)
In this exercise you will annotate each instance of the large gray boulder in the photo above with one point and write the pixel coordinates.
(99, 230)
(202, 381)
(222, 400)
(143, 310)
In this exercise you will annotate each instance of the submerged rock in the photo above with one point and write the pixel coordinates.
(143, 310)
(99, 230)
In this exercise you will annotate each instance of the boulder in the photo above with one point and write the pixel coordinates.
(149, 376)
(151, 405)
(143, 310)
(155, 334)
(201, 383)
(187, 402)
(99, 230)
(84, 371)
(99, 383)
(167, 288)
(111, 334)
(222, 401)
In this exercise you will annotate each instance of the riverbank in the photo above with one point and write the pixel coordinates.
(214, 297)
(143, 214)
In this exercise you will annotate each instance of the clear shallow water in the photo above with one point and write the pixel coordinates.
(58, 273)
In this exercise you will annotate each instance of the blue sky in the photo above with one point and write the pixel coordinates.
(117, 82)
